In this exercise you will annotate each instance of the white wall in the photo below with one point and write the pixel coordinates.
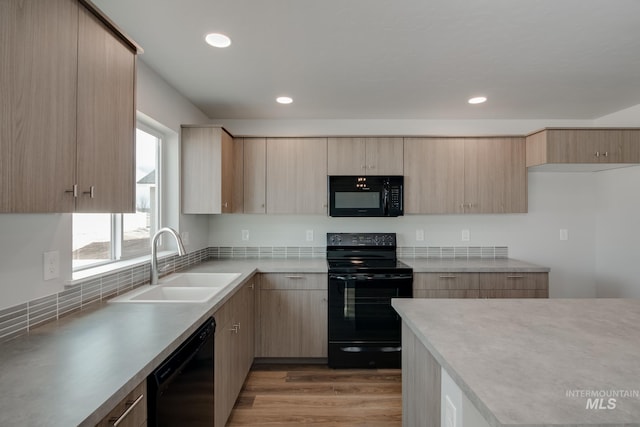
(24, 238)
(618, 221)
(164, 106)
(556, 200)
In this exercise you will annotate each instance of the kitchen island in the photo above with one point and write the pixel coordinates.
(557, 362)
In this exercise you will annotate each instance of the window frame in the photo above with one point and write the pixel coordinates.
(117, 219)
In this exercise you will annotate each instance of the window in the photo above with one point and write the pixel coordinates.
(104, 238)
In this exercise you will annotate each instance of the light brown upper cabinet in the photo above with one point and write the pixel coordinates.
(106, 120)
(465, 175)
(211, 175)
(67, 96)
(254, 176)
(297, 175)
(365, 156)
(596, 148)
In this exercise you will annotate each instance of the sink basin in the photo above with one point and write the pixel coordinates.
(213, 280)
(165, 294)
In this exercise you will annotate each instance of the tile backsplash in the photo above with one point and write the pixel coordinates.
(19, 319)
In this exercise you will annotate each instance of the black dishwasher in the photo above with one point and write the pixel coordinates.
(180, 390)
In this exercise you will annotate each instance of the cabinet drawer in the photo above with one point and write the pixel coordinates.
(130, 412)
(442, 293)
(283, 281)
(511, 293)
(445, 281)
(514, 281)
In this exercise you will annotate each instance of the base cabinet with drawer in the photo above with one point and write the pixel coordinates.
(481, 285)
(233, 353)
(292, 313)
(130, 412)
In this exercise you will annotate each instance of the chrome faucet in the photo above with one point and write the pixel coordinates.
(154, 250)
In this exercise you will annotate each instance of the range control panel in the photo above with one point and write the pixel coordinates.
(361, 239)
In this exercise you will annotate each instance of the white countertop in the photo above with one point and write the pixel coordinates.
(533, 363)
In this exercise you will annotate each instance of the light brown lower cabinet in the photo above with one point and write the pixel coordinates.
(292, 309)
(481, 285)
(514, 285)
(130, 412)
(421, 379)
(234, 348)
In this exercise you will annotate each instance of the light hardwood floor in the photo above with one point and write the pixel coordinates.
(294, 395)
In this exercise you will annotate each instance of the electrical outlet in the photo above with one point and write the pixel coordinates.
(51, 267)
(309, 235)
(185, 238)
(420, 235)
(245, 234)
(465, 235)
(564, 234)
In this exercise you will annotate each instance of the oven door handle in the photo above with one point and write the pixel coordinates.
(362, 277)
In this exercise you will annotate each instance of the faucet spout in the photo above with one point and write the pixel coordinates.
(154, 250)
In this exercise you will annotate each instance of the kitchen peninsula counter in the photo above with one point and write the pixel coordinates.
(533, 363)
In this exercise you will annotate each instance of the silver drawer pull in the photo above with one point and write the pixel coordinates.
(91, 192)
(450, 276)
(116, 421)
(515, 277)
(294, 277)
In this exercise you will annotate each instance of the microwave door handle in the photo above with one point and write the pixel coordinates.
(385, 200)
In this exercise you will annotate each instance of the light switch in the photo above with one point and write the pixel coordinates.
(564, 234)
(465, 235)
(245, 234)
(420, 235)
(309, 235)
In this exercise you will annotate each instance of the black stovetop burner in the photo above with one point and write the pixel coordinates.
(364, 252)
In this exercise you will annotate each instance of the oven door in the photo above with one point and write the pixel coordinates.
(360, 306)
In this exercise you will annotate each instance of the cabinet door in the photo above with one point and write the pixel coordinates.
(384, 156)
(38, 62)
(225, 356)
(495, 175)
(292, 315)
(231, 162)
(297, 175)
(6, 118)
(346, 156)
(255, 164)
(106, 120)
(433, 175)
(293, 323)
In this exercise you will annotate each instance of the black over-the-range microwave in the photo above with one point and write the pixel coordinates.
(365, 195)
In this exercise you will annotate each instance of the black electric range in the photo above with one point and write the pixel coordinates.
(364, 275)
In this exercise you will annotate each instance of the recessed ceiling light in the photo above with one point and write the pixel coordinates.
(477, 100)
(218, 40)
(284, 100)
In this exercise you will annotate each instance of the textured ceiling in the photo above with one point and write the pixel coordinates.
(382, 59)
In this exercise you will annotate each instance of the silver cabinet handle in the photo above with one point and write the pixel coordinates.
(294, 277)
(606, 154)
(448, 276)
(116, 421)
(515, 276)
(74, 190)
(91, 192)
(235, 328)
(252, 286)
(226, 204)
